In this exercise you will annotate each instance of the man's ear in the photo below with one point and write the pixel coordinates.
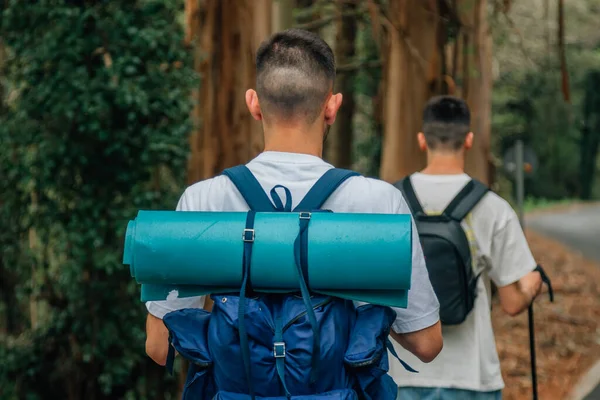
(469, 141)
(332, 105)
(253, 105)
(422, 142)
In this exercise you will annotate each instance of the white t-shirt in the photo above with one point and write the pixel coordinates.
(299, 172)
(469, 359)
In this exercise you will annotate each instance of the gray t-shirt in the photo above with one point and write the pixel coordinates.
(469, 359)
(298, 172)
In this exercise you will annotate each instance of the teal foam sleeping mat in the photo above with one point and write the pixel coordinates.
(362, 257)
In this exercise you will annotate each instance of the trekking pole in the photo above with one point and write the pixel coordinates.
(520, 197)
(532, 353)
(520, 189)
(546, 281)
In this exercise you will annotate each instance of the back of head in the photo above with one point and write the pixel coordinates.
(446, 123)
(295, 70)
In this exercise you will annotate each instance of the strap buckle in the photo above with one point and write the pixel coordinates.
(279, 349)
(248, 235)
(305, 215)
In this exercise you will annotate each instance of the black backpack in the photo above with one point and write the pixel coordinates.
(447, 251)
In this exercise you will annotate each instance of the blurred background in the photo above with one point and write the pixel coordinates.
(107, 107)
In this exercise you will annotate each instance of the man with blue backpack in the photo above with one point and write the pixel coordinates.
(293, 346)
(471, 237)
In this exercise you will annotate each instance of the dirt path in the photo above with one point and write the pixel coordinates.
(579, 229)
(567, 331)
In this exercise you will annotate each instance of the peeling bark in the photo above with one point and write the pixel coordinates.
(227, 35)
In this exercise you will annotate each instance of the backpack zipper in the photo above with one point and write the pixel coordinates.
(369, 362)
(303, 313)
(202, 365)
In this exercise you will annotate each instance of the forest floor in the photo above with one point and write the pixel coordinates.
(567, 331)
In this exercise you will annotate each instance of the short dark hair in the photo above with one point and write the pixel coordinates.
(295, 70)
(446, 122)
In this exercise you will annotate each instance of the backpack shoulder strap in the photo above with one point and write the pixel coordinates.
(466, 199)
(406, 187)
(323, 188)
(249, 188)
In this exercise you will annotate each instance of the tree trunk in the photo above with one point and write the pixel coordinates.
(227, 34)
(477, 85)
(420, 62)
(407, 52)
(561, 51)
(547, 26)
(339, 141)
(224, 36)
(282, 17)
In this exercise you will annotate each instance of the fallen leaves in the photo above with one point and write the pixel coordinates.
(567, 331)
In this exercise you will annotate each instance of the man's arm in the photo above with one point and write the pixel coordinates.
(418, 328)
(513, 267)
(516, 297)
(426, 344)
(157, 339)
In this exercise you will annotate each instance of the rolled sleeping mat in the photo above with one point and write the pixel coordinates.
(362, 257)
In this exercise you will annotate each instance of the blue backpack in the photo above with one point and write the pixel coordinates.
(300, 346)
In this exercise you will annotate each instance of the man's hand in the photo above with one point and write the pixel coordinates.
(157, 340)
(516, 298)
(426, 344)
(531, 285)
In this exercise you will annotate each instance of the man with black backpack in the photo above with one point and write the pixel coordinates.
(248, 355)
(470, 237)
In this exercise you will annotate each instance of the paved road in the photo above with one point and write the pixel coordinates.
(578, 229)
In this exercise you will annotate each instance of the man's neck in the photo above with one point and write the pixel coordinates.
(444, 163)
(294, 140)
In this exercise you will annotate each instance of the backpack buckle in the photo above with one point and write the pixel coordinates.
(305, 215)
(279, 349)
(248, 235)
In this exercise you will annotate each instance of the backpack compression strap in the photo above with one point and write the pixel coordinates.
(313, 200)
(465, 200)
(257, 200)
(406, 187)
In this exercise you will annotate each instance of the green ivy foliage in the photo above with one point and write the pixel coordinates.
(94, 127)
